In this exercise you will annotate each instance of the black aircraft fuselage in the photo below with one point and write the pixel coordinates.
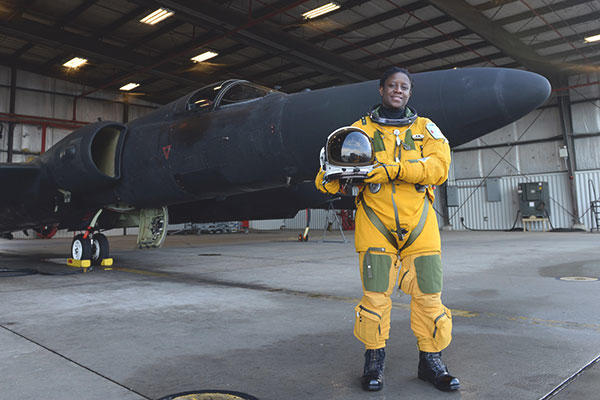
(235, 150)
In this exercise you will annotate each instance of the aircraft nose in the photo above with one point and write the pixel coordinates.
(521, 90)
(477, 101)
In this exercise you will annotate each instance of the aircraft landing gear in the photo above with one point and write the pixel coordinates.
(90, 248)
(81, 248)
(100, 248)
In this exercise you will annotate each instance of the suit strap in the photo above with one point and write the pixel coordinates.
(377, 223)
(419, 228)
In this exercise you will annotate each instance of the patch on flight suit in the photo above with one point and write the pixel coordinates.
(429, 273)
(378, 144)
(376, 271)
(418, 136)
(435, 132)
(408, 143)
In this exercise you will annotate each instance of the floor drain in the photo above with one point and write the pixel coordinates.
(578, 279)
(209, 395)
(209, 254)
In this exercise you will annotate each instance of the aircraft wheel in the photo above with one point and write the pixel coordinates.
(100, 248)
(81, 249)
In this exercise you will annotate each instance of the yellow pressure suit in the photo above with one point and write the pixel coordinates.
(417, 157)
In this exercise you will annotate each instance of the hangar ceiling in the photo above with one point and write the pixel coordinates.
(269, 41)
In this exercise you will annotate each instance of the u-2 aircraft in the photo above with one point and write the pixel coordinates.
(233, 150)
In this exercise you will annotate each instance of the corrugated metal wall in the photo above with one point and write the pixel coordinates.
(530, 163)
(28, 137)
(319, 219)
(588, 189)
(478, 213)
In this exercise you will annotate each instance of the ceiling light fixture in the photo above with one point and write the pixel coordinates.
(204, 56)
(157, 16)
(129, 86)
(590, 39)
(75, 62)
(329, 7)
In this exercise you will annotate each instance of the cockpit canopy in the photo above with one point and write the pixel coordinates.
(222, 94)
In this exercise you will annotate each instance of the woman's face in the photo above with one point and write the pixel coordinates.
(396, 91)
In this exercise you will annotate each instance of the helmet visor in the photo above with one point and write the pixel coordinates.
(350, 146)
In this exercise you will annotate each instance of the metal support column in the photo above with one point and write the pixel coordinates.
(125, 112)
(11, 110)
(566, 120)
(125, 121)
(443, 196)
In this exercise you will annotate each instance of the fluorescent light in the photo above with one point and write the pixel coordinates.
(590, 39)
(320, 10)
(75, 62)
(157, 16)
(204, 56)
(129, 86)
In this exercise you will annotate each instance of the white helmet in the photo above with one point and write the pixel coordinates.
(348, 155)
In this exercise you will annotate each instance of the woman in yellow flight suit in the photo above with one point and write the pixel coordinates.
(397, 233)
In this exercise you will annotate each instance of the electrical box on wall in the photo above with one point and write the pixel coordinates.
(492, 190)
(534, 199)
(452, 196)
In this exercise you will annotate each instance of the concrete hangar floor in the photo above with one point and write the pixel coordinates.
(272, 317)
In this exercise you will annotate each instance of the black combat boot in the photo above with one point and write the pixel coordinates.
(432, 369)
(372, 378)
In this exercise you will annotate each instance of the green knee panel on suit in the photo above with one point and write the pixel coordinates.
(429, 273)
(376, 272)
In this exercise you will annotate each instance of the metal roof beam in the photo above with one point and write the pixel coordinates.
(581, 51)
(362, 24)
(299, 78)
(46, 35)
(565, 23)
(390, 35)
(571, 38)
(99, 35)
(358, 45)
(164, 29)
(24, 49)
(119, 22)
(474, 46)
(418, 45)
(468, 62)
(268, 36)
(394, 34)
(40, 70)
(496, 35)
(71, 15)
(394, 13)
(444, 54)
(541, 10)
(64, 20)
(464, 32)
